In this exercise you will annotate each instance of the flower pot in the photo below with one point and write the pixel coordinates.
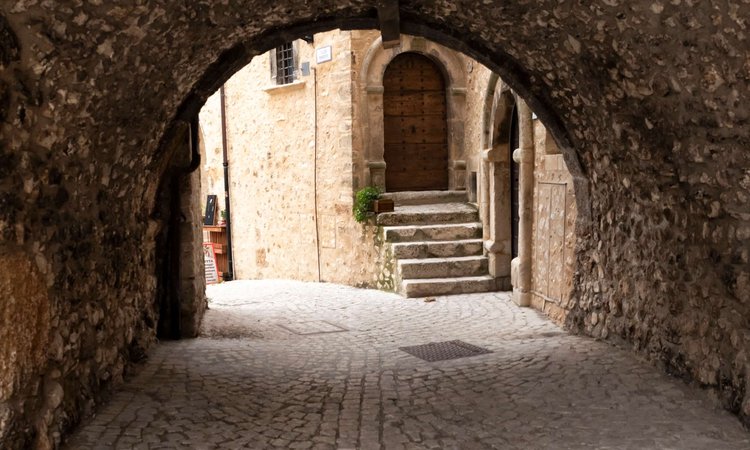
(382, 205)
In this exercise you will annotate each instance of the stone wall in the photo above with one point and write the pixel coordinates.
(290, 149)
(644, 98)
(477, 113)
(553, 235)
(271, 148)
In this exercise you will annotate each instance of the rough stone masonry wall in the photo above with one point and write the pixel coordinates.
(271, 134)
(644, 96)
(270, 139)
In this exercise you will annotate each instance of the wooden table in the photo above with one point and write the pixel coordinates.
(217, 235)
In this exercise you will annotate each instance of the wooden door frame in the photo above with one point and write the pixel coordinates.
(372, 128)
(406, 170)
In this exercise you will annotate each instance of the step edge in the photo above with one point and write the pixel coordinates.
(446, 280)
(434, 225)
(442, 260)
(457, 241)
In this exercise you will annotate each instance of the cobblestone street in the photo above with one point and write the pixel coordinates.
(299, 365)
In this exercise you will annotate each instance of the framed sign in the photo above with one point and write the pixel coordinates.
(210, 210)
(209, 256)
(323, 54)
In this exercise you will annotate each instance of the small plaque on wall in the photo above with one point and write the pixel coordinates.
(323, 54)
(210, 210)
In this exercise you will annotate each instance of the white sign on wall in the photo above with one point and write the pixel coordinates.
(323, 54)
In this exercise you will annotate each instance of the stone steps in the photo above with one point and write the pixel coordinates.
(447, 213)
(437, 249)
(426, 197)
(461, 266)
(438, 232)
(447, 286)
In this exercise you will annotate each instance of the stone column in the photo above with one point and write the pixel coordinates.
(377, 174)
(483, 196)
(497, 245)
(374, 134)
(458, 175)
(456, 103)
(524, 156)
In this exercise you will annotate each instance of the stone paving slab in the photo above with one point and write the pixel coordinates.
(249, 383)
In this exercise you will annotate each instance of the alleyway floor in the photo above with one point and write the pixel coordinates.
(300, 365)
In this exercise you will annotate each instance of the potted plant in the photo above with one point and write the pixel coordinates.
(223, 215)
(363, 200)
(381, 205)
(367, 200)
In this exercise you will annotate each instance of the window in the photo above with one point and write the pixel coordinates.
(285, 63)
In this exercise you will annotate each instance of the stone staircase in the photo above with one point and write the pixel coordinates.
(436, 241)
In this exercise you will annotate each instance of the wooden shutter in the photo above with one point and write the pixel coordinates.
(414, 113)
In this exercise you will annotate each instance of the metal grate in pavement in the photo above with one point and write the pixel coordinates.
(441, 351)
(312, 327)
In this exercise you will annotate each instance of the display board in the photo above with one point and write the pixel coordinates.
(210, 210)
(209, 256)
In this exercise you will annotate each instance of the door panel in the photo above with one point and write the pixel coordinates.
(414, 119)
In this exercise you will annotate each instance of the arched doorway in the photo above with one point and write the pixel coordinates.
(415, 128)
(514, 177)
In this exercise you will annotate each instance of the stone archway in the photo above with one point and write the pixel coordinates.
(662, 148)
(370, 100)
(495, 197)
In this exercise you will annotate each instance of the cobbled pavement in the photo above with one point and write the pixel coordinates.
(261, 377)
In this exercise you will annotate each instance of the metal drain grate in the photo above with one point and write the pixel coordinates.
(313, 327)
(441, 351)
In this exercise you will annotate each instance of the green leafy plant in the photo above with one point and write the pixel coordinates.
(363, 202)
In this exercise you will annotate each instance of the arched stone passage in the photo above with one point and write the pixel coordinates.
(645, 101)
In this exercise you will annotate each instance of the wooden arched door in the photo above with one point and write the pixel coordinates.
(416, 135)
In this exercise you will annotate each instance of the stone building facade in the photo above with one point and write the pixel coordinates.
(290, 153)
(297, 152)
(644, 98)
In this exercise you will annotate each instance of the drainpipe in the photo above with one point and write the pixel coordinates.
(315, 166)
(230, 260)
(524, 156)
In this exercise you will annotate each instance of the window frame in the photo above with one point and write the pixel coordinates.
(284, 64)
